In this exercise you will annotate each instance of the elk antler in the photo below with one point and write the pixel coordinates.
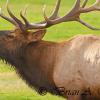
(7, 18)
(73, 15)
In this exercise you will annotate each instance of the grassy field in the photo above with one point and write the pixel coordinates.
(11, 86)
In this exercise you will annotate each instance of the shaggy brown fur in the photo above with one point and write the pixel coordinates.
(72, 65)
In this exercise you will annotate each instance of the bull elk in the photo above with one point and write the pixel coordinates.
(73, 64)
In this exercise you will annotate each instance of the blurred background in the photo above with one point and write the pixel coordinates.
(11, 86)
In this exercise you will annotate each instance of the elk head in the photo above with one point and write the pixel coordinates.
(25, 33)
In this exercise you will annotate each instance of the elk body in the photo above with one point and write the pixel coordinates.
(73, 64)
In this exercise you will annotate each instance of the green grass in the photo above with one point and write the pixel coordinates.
(11, 86)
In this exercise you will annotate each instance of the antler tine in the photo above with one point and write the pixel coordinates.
(55, 11)
(94, 7)
(54, 14)
(25, 10)
(40, 25)
(19, 23)
(84, 3)
(7, 18)
(97, 5)
(87, 25)
(48, 21)
(76, 7)
(25, 20)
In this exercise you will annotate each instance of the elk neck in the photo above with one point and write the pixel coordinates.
(39, 61)
(34, 63)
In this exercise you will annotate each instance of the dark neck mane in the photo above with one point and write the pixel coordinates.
(32, 68)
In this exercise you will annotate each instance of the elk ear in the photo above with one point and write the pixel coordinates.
(38, 35)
